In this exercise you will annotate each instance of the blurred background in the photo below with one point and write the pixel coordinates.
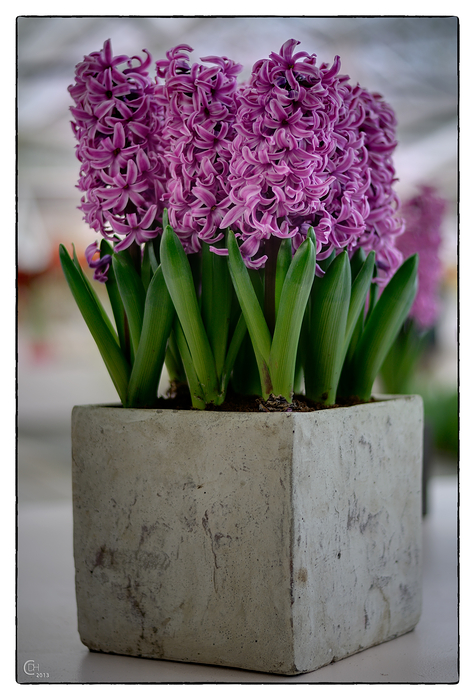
(411, 61)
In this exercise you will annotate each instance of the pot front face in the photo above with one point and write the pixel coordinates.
(272, 542)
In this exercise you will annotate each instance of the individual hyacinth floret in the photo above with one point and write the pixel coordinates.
(100, 265)
(424, 214)
(118, 124)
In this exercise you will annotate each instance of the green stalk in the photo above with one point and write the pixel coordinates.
(330, 301)
(294, 297)
(180, 283)
(198, 396)
(232, 353)
(157, 322)
(253, 315)
(272, 246)
(93, 315)
(132, 293)
(116, 303)
(216, 298)
(382, 327)
(284, 260)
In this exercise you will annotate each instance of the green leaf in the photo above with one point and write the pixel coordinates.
(295, 293)
(154, 262)
(359, 292)
(179, 280)
(158, 317)
(216, 298)
(146, 268)
(397, 372)
(232, 353)
(116, 302)
(173, 361)
(382, 327)
(94, 296)
(284, 260)
(198, 396)
(252, 311)
(132, 293)
(356, 263)
(330, 300)
(111, 353)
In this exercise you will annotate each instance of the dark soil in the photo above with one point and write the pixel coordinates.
(179, 399)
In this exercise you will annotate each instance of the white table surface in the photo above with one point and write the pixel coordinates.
(47, 634)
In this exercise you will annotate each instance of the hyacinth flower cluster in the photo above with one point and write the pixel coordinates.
(199, 106)
(424, 216)
(312, 151)
(251, 224)
(118, 125)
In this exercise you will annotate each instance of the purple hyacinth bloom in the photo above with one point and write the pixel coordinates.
(118, 124)
(100, 265)
(198, 131)
(311, 150)
(284, 124)
(297, 158)
(296, 146)
(424, 215)
(384, 223)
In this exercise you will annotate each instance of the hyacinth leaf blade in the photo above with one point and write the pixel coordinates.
(284, 260)
(173, 361)
(362, 270)
(198, 398)
(111, 353)
(248, 299)
(146, 267)
(330, 301)
(132, 293)
(115, 300)
(154, 262)
(237, 338)
(181, 286)
(216, 302)
(356, 262)
(382, 327)
(252, 311)
(94, 296)
(295, 293)
(397, 370)
(359, 292)
(159, 313)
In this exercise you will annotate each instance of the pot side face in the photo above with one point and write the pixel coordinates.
(273, 542)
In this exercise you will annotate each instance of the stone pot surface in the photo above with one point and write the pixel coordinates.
(276, 542)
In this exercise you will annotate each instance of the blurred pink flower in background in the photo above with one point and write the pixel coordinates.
(424, 215)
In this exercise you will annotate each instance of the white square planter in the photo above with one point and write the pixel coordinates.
(276, 542)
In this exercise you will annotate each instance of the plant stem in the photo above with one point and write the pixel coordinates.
(272, 246)
(136, 255)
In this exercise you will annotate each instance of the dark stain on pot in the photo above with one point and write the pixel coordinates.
(219, 536)
(135, 604)
(104, 558)
(302, 575)
(152, 560)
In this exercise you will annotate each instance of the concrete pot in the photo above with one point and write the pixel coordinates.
(277, 542)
